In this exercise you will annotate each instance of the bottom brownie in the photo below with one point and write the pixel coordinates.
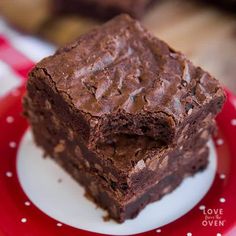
(121, 208)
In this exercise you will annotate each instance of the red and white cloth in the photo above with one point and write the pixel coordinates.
(18, 53)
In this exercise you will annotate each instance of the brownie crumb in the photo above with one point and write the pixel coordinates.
(91, 199)
(106, 218)
(88, 196)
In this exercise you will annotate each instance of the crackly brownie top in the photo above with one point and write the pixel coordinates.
(122, 67)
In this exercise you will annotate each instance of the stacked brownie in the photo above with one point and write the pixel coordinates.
(126, 115)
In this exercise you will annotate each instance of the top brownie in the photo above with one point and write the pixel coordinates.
(120, 79)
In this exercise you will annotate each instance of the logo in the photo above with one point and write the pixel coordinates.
(213, 217)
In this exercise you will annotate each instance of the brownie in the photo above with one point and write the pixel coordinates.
(105, 9)
(123, 112)
(164, 170)
(126, 163)
(119, 79)
(125, 206)
(120, 208)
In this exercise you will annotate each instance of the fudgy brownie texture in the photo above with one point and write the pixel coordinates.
(105, 9)
(119, 79)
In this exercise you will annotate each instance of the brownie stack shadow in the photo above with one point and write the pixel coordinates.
(123, 113)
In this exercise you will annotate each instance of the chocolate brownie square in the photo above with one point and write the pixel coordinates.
(119, 79)
(121, 107)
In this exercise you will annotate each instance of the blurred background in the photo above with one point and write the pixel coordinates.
(204, 30)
